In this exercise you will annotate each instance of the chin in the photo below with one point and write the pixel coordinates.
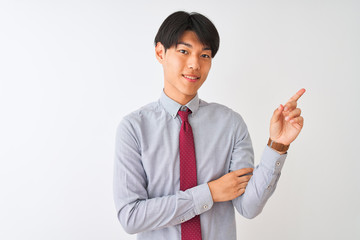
(190, 94)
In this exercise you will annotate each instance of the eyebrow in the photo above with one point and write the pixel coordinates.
(190, 46)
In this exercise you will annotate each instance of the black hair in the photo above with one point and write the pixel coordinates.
(177, 23)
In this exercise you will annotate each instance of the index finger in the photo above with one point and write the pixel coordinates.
(297, 95)
(243, 171)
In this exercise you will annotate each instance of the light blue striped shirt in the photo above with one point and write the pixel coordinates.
(147, 175)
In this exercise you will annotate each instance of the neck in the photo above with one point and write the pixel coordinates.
(179, 98)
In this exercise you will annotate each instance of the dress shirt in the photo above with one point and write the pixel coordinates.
(147, 192)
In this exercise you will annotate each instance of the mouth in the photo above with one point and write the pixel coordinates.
(191, 78)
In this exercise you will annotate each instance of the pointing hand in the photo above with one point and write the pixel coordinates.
(286, 122)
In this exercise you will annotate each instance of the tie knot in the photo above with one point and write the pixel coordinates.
(184, 114)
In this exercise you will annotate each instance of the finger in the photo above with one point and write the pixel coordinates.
(289, 106)
(241, 191)
(299, 120)
(244, 179)
(243, 171)
(246, 175)
(293, 114)
(277, 114)
(297, 95)
(243, 185)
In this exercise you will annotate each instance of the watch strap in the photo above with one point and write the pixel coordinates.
(278, 146)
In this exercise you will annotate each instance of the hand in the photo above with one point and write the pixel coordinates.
(286, 122)
(230, 186)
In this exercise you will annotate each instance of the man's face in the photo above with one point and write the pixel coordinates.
(186, 67)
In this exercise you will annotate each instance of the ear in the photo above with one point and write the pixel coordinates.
(160, 52)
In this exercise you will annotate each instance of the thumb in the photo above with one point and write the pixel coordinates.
(277, 114)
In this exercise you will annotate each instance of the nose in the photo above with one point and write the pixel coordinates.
(194, 63)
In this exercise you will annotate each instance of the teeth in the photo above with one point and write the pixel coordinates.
(190, 77)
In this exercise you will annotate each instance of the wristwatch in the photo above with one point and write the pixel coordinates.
(278, 146)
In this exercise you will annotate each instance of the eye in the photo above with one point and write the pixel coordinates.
(205, 56)
(183, 51)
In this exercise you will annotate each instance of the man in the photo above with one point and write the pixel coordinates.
(182, 164)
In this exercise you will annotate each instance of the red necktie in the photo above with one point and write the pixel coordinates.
(191, 229)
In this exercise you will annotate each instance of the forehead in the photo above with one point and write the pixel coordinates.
(190, 35)
(190, 39)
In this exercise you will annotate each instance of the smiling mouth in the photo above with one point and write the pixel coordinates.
(191, 78)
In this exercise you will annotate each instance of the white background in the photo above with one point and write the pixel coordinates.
(70, 70)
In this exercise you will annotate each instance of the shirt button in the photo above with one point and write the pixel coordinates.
(268, 187)
(278, 163)
(182, 220)
(205, 206)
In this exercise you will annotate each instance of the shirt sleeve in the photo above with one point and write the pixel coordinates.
(265, 176)
(135, 210)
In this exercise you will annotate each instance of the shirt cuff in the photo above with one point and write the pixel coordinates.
(202, 198)
(272, 160)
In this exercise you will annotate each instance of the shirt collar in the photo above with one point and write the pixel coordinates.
(172, 107)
